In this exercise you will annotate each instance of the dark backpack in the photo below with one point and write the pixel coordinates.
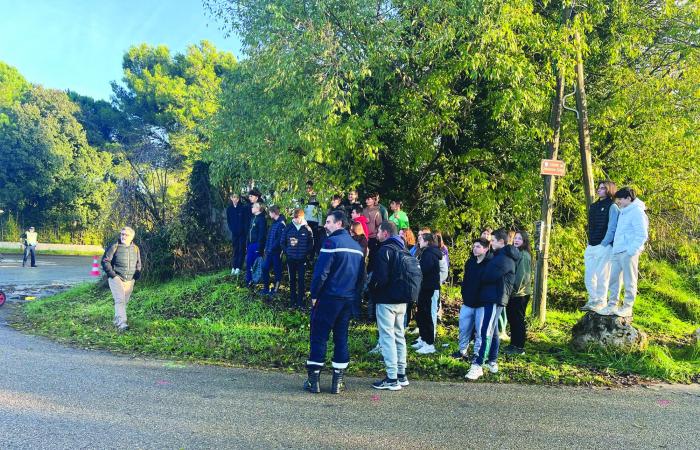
(409, 277)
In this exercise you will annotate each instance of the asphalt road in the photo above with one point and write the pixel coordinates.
(52, 273)
(52, 396)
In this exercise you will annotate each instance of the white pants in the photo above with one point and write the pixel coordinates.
(121, 291)
(625, 269)
(597, 261)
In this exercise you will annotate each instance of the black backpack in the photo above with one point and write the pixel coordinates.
(409, 277)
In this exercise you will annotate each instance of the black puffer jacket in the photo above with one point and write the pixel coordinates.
(258, 231)
(122, 261)
(498, 276)
(430, 266)
(472, 280)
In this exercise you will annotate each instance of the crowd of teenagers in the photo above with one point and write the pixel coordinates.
(361, 255)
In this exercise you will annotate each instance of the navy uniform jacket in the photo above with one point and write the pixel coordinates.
(339, 270)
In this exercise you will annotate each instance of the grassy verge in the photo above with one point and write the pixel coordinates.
(210, 318)
(19, 251)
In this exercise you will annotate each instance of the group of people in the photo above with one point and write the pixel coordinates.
(361, 251)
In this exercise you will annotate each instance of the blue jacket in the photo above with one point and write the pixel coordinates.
(472, 280)
(304, 242)
(498, 276)
(339, 270)
(237, 219)
(257, 230)
(274, 235)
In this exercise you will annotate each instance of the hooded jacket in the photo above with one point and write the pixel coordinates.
(362, 220)
(498, 276)
(632, 229)
(430, 259)
(297, 241)
(274, 235)
(522, 282)
(471, 282)
(383, 267)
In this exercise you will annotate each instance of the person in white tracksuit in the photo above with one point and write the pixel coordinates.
(602, 222)
(630, 236)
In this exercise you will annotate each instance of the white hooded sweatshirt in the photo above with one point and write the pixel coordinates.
(632, 229)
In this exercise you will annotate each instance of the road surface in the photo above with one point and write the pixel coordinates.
(54, 396)
(53, 273)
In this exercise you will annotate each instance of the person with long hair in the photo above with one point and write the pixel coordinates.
(522, 290)
(357, 233)
(603, 215)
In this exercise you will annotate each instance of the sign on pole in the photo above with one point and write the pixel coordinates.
(553, 167)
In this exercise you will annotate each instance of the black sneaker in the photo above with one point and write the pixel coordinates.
(457, 355)
(402, 380)
(387, 383)
(513, 350)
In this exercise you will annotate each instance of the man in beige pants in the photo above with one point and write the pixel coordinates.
(122, 263)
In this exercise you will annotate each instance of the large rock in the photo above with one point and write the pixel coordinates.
(607, 331)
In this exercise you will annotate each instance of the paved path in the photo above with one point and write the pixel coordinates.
(53, 396)
(52, 273)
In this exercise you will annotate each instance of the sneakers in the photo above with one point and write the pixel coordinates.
(475, 372)
(123, 329)
(593, 305)
(625, 311)
(387, 384)
(492, 366)
(513, 350)
(426, 349)
(402, 380)
(413, 331)
(609, 310)
(418, 344)
(376, 350)
(235, 272)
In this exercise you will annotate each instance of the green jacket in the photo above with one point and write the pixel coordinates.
(522, 284)
(400, 219)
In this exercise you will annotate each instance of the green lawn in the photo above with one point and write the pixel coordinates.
(210, 318)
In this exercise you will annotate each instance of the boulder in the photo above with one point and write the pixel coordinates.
(607, 331)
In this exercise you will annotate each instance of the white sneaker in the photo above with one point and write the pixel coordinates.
(598, 306)
(418, 344)
(376, 349)
(503, 337)
(590, 305)
(625, 311)
(233, 271)
(608, 310)
(426, 349)
(414, 331)
(492, 366)
(475, 372)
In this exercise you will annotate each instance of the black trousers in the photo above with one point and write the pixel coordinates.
(515, 311)
(297, 271)
(424, 318)
(238, 244)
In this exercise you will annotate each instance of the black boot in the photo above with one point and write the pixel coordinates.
(313, 382)
(338, 384)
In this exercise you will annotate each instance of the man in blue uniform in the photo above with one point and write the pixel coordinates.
(337, 283)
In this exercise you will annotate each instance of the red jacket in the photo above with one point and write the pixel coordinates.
(362, 220)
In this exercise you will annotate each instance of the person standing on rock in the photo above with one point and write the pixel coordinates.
(336, 284)
(602, 223)
(631, 234)
(30, 240)
(122, 264)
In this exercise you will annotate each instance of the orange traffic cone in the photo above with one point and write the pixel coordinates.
(95, 272)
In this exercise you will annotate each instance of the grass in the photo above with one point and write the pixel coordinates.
(210, 318)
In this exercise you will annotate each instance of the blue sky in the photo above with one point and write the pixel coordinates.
(79, 44)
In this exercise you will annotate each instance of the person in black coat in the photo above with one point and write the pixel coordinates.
(256, 239)
(298, 245)
(273, 251)
(237, 220)
(496, 285)
(429, 295)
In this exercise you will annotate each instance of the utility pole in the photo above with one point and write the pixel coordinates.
(539, 304)
(584, 139)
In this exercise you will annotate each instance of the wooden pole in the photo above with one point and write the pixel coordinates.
(584, 139)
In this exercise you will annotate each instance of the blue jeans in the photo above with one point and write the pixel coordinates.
(467, 320)
(272, 259)
(251, 255)
(330, 314)
(486, 328)
(391, 337)
(29, 250)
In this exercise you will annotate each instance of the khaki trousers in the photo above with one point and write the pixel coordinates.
(121, 291)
